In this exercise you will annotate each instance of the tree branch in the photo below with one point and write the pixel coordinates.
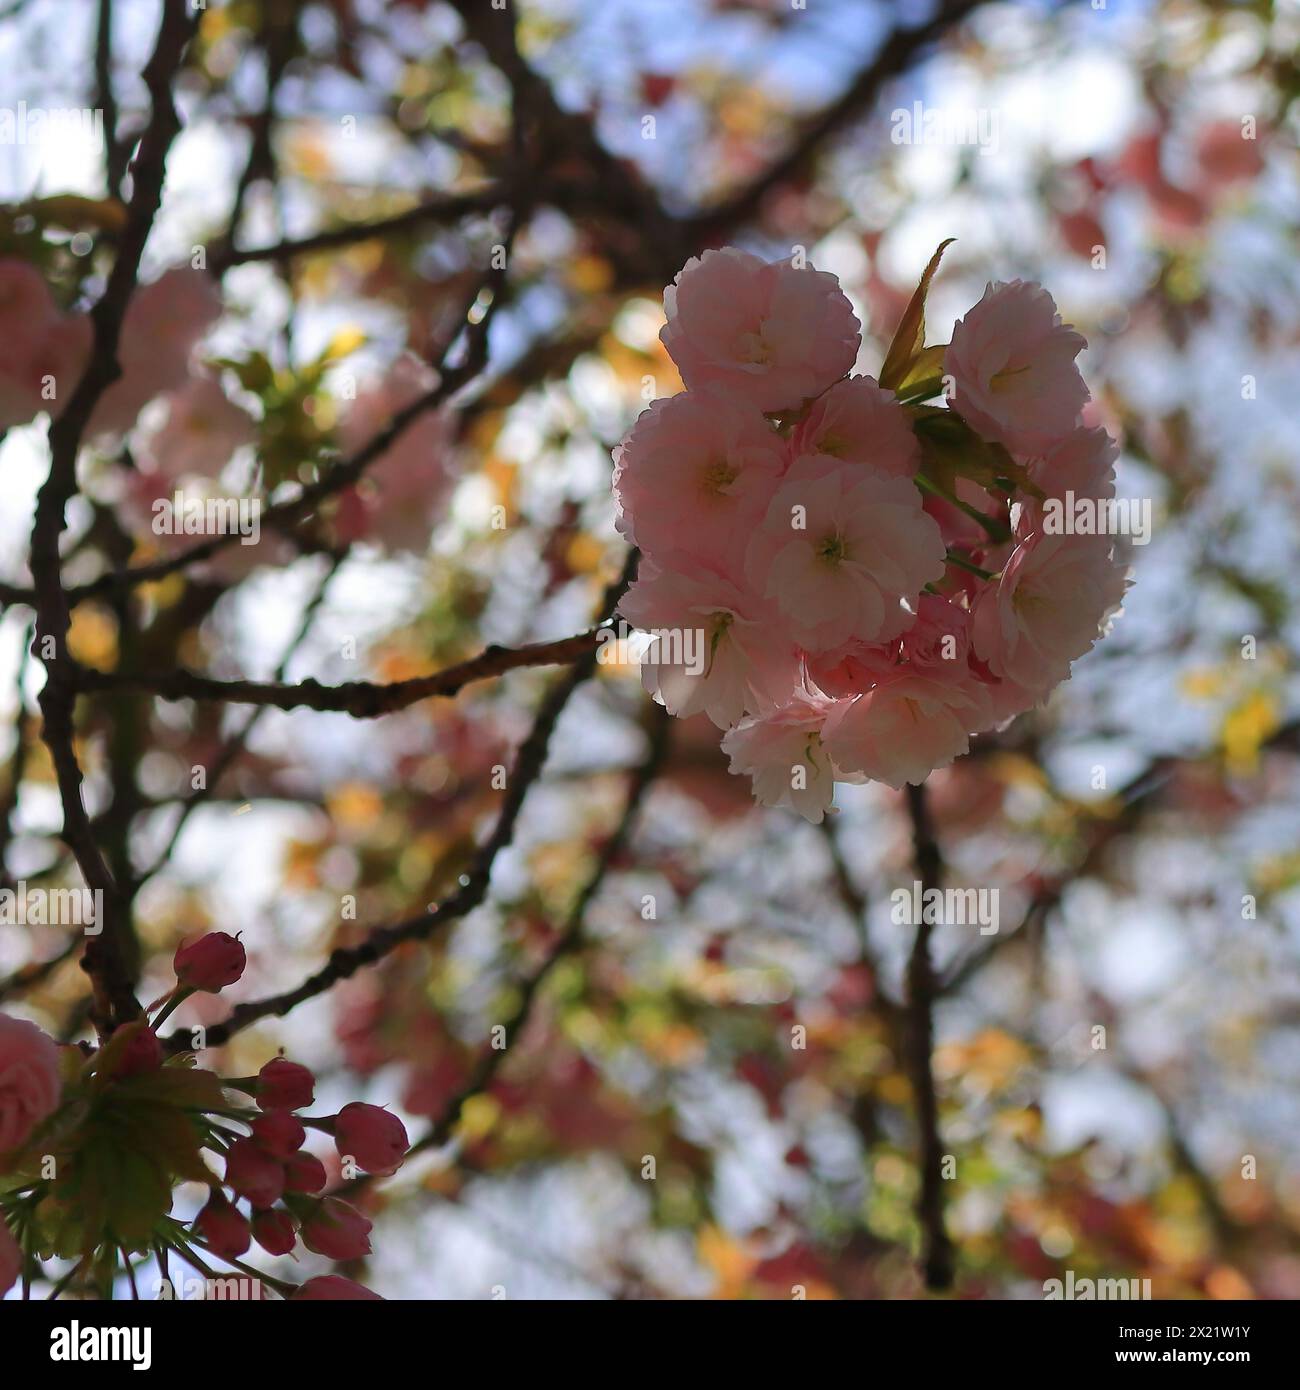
(114, 997)
(569, 940)
(360, 699)
(936, 1248)
(382, 941)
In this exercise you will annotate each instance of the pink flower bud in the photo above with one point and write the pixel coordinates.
(304, 1172)
(29, 1080)
(334, 1288)
(210, 963)
(279, 1133)
(11, 1265)
(223, 1227)
(337, 1231)
(375, 1138)
(274, 1232)
(285, 1085)
(254, 1173)
(142, 1055)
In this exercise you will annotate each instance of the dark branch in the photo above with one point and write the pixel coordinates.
(936, 1248)
(381, 942)
(360, 699)
(114, 997)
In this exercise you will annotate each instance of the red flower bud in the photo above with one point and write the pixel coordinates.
(375, 1138)
(304, 1172)
(210, 963)
(254, 1173)
(223, 1227)
(285, 1085)
(279, 1133)
(334, 1288)
(337, 1231)
(273, 1231)
(143, 1054)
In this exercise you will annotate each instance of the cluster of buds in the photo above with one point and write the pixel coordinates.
(94, 1141)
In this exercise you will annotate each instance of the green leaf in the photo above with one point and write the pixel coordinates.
(182, 1087)
(254, 372)
(909, 341)
(950, 449)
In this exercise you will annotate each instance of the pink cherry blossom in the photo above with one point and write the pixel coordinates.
(768, 334)
(404, 491)
(858, 421)
(721, 649)
(1012, 362)
(696, 474)
(160, 329)
(1083, 463)
(854, 667)
(938, 642)
(42, 352)
(796, 581)
(203, 428)
(1049, 606)
(30, 1085)
(903, 729)
(838, 550)
(782, 752)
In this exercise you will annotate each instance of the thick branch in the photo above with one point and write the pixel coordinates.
(936, 1248)
(114, 997)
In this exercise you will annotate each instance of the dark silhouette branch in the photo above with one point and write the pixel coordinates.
(936, 1247)
(103, 961)
(382, 941)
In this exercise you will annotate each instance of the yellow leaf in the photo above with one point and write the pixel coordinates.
(910, 338)
(354, 805)
(92, 638)
(478, 1118)
(1245, 729)
(345, 341)
(591, 274)
(729, 1260)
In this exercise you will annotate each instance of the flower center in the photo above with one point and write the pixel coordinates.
(1004, 380)
(832, 549)
(755, 349)
(718, 476)
(831, 444)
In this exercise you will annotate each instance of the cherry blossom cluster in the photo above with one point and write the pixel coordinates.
(195, 428)
(92, 1142)
(868, 569)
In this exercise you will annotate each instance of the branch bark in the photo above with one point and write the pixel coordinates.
(936, 1248)
(103, 960)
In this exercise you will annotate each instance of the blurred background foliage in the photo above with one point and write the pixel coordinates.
(1142, 829)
